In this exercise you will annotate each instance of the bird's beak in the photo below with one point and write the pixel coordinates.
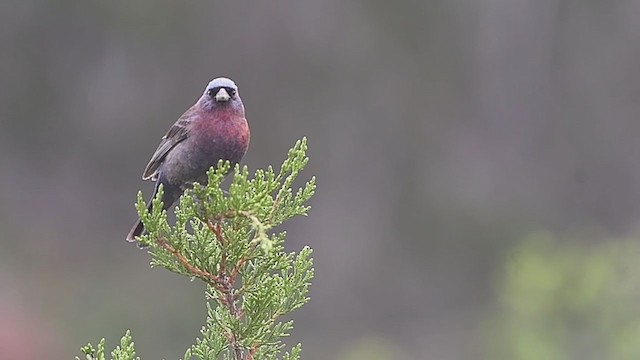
(222, 95)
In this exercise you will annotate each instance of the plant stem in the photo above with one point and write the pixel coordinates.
(221, 282)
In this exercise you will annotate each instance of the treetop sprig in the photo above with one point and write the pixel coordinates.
(227, 240)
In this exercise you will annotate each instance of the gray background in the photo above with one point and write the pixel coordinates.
(442, 133)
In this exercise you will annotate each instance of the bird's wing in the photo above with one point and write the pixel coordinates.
(177, 133)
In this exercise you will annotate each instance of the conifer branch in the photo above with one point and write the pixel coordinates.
(225, 239)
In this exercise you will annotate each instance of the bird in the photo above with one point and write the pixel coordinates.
(214, 128)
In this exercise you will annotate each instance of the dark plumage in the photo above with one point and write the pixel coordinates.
(214, 128)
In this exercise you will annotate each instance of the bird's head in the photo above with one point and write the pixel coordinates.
(222, 93)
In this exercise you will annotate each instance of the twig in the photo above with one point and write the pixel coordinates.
(226, 282)
(223, 282)
(211, 279)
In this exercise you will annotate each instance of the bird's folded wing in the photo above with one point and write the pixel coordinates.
(177, 133)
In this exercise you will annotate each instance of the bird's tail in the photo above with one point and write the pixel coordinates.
(138, 227)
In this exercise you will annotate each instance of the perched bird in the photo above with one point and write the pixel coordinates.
(214, 128)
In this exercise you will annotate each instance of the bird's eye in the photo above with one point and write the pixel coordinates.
(232, 92)
(211, 92)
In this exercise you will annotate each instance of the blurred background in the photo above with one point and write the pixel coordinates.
(478, 170)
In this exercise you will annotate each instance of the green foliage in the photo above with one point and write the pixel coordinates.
(124, 351)
(564, 299)
(227, 240)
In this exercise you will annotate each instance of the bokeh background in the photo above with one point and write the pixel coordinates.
(478, 166)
